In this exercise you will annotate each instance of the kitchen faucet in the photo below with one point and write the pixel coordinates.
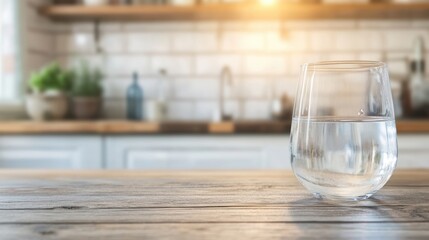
(225, 78)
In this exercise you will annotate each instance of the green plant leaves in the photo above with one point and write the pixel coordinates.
(88, 82)
(83, 82)
(52, 77)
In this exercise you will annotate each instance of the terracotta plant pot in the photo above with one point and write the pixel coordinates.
(86, 107)
(47, 106)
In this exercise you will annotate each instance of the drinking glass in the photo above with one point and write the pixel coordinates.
(343, 134)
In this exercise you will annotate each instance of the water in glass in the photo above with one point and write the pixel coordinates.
(343, 148)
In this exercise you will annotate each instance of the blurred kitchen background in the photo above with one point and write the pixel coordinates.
(191, 84)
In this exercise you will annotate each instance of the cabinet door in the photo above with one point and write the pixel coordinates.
(413, 151)
(198, 152)
(50, 152)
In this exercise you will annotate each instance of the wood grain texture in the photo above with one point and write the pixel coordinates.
(222, 127)
(133, 127)
(190, 127)
(76, 127)
(412, 126)
(216, 231)
(238, 11)
(201, 205)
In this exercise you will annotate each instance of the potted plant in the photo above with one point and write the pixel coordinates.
(48, 97)
(87, 92)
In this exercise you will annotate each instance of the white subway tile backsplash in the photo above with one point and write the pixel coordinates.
(178, 110)
(287, 40)
(321, 40)
(371, 56)
(74, 28)
(319, 24)
(350, 40)
(403, 39)
(114, 88)
(148, 42)
(334, 24)
(383, 24)
(195, 88)
(298, 59)
(112, 42)
(232, 90)
(34, 62)
(114, 109)
(75, 61)
(370, 40)
(82, 27)
(264, 56)
(40, 42)
(265, 65)
(75, 43)
(419, 24)
(255, 88)
(263, 25)
(212, 64)
(63, 43)
(243, 41)
(125, 65)
(36, 3)
(298, 25)
(339, 56)
(232, 25)
(183, 42)
(152, 88)
(256, 110)
(398, 70)
(205, 110)
(61, 28)
(207, 25)
(206, 41)
(286, 85)
(235, 109)
(181, 110)
(427, 67)
(34, 21)
(398, 64)
(194, 41)
(108, 27)
(173, 64)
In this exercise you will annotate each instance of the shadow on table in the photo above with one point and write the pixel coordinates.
(339, 219)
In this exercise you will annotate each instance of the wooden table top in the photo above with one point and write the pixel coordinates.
(202, 205)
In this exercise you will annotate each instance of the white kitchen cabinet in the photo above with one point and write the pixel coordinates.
(229, 152)
(198, 152)
(171, 152)
(413, 151)
(51, 152)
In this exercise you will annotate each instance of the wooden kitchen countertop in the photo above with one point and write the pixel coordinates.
(131, 127)
(202, 205)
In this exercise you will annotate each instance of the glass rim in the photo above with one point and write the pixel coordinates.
(344, 65)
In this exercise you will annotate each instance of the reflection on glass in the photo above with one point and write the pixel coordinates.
(343, 136)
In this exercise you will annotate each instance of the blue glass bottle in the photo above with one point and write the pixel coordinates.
(135, 100)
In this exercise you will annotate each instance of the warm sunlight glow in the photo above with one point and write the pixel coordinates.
(267, 2)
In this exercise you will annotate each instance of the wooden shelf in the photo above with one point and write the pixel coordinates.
(136, 127)
(237, 11)
(133, 127)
